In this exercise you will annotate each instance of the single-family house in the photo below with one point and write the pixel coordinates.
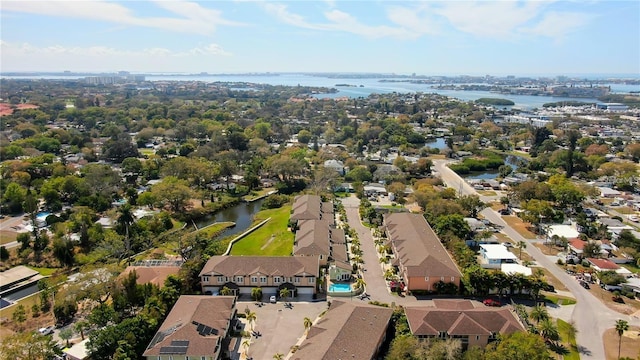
(607, 265)
(562, 231)
(420, 258)
(494, 255)
(78, 351)
(156, 275)
(240, 274)
(607, 192)
(194, 329)
(473, 324)
(348, 330)
(335, 165)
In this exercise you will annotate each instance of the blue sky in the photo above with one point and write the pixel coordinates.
(422, 37)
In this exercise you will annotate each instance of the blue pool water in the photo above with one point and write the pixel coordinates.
(339, 288)
(43, 215)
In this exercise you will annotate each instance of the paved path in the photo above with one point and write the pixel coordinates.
(373, 276)
(590, 315)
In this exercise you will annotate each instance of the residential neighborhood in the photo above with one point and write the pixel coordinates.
(195, 220)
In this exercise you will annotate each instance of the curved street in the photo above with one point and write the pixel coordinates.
(590, 315)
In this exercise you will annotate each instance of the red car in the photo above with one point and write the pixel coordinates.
(491, 302)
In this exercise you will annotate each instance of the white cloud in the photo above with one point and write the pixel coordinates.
(191, 17)
(558, 24)
(337, 21)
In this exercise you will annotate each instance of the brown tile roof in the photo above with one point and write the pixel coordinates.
(306, 207)
(194, 326)
(312, 238)
(346, 331)
(604, 264)
(151, 274)
(418, 247)
(311, 207)
(268, 265)
(464, 320)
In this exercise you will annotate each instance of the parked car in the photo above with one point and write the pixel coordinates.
(46, 330)
(634, 218)
(507, 244)
(273, 299)
(491, 302)
(504, 212)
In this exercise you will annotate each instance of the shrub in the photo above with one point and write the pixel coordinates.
(274, 201)
(560, 262)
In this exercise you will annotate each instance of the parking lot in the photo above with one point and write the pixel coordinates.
(280, 327)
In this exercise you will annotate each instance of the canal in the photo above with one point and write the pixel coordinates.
(241, 214)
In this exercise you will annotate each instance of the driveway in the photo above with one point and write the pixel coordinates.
(280, 327)
(591, 316)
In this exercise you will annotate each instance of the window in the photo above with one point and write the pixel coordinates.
(426, 278)
(442, 278)
(276, 280)
(453, 279)
(297, 280)
(254, 279)
(205, 278)
(220, 279)
(312, 280)
(239, 279)
(263, 279)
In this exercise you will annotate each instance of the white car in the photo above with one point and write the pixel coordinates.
(46, 330)
(273, 299)
(634, 218)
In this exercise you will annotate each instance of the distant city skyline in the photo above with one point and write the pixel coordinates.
(534, 38)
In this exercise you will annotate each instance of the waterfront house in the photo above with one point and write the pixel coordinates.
(194, 329)
(473, 324)
(240, 274)
(348, 330)
(421, 259)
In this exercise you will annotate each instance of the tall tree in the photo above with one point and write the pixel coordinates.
(621, 327)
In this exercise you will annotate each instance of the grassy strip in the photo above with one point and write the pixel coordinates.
(559, 300)
(213, 230)
(256, 194)
(563, 329)
(44, 271)
(271, 239)
(7, 236)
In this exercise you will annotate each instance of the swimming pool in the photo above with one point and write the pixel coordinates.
(340, 288)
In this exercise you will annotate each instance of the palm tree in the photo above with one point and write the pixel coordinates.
(621, 327)
(251, 318)
(256, 293)
(539, 313)
(245, 345)
(549, 331)
(307, 324)
(278, 356)
(360, 283)
(521, 245)
(284, 293)
(225, 291)
(125, 220)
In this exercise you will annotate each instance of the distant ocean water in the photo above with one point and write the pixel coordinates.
(361, 87)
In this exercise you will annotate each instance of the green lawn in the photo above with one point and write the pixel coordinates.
(214, 229)
(44, 271)
(271, 239)
(559, 300)
(563, 329)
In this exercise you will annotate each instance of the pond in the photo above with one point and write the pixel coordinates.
(511, 160)
(437, 143)
(241, 214)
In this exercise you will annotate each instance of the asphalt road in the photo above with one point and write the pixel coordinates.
(590, 315)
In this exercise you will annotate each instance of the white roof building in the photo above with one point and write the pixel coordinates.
(495, 255)
(562, 230)
(510, 269)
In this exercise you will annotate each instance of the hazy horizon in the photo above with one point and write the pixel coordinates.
(429, 38)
